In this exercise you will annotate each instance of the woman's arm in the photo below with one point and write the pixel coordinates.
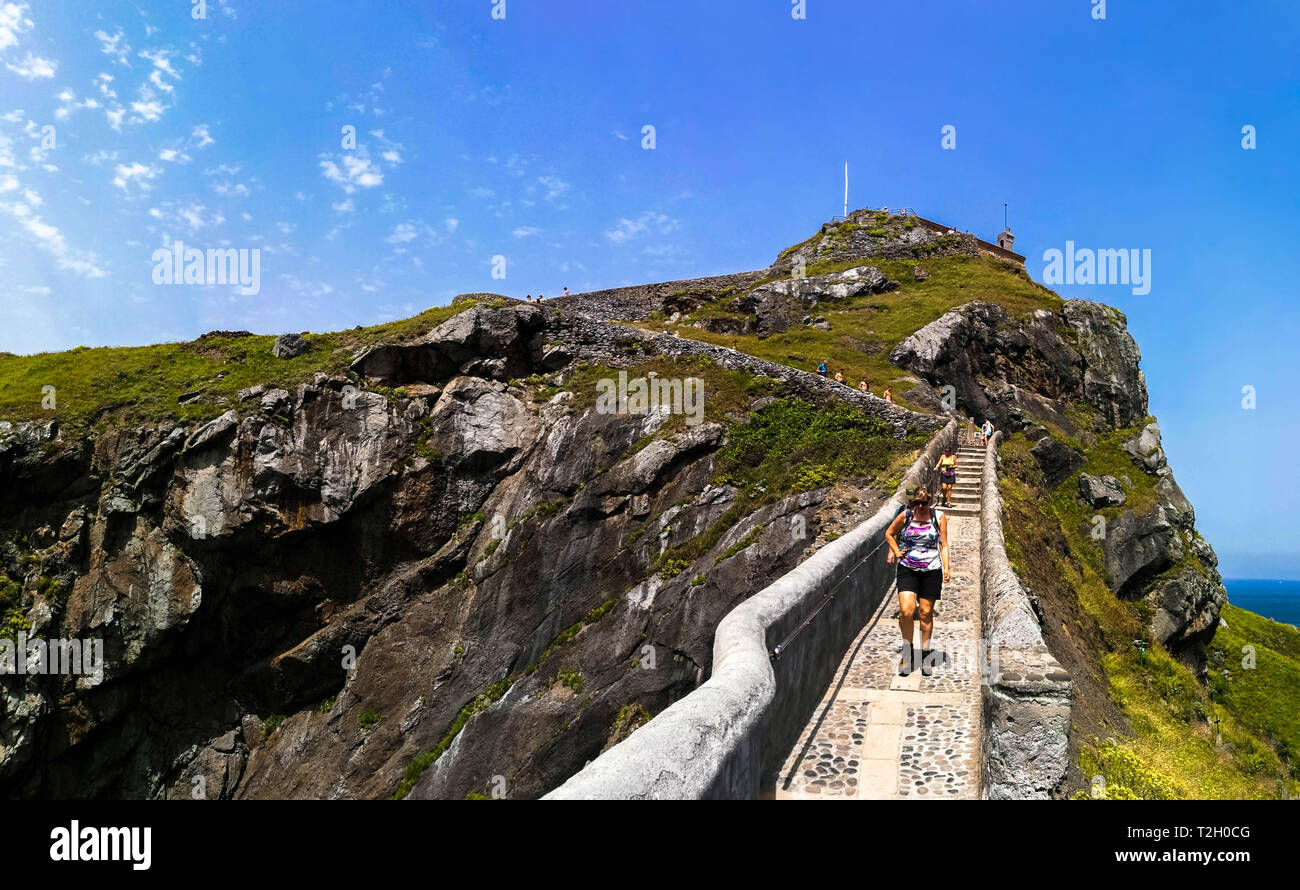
(943, 546)
(891, 534)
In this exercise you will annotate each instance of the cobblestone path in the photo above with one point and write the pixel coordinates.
(878, 736)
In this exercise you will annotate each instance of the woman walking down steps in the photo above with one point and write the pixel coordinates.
(918, 539)
(876, 735)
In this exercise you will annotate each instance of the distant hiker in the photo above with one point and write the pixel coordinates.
(529, 297)
(566, 291)
(862, 385)
(839, 376)
(821, 369)
(918, 539)
(988, 431)
(947, 467)
(888, 394)
(539, 298)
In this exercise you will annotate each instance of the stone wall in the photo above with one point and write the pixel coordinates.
(1026, 692)
(635, 302)
(727, 739)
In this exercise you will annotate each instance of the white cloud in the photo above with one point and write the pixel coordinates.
(173, 156)
(148, 109)
(356, 172)
(345, 206)
(13, 21)
(630, 228)
(162, 62)
(526, 231)
(100, 157)
(227, 189)
(403, 233)
(115, 47)
(137, 172)
(202, 136)
(555, 186)
(286, 227)
(33, 67)
(193, 216)
(452, 224)
(49, 239)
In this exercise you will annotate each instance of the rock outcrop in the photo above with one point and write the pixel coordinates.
(782, 304)
(1031, 375)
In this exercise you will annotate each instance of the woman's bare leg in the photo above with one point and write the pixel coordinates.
(926, 609)
(906, 614)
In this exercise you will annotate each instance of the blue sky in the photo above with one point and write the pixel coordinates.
(522, 138)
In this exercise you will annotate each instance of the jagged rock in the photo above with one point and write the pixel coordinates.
(1186, 615)
(1176, 505)
(1101, 491)
(1145, 450)
(555, 356)
(276, 401)
(479, 427)
(289, 346)
(1113, 383)
(251, 392)
(781, 304)
(486, 341)
(919, 274)
(213, 431)
(1057, 460)
(1137, 548)
(975, 347)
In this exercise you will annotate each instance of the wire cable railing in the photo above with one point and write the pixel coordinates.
(775, 654)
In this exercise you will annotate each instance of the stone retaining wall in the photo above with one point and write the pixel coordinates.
(728, 737)
(1026, 692)
(635, 302)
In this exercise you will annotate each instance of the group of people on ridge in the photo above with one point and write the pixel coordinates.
(823, 370)
(529, 297)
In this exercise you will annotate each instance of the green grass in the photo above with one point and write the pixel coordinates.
(792, 445)
(12, 620)
(572, 631)
(142, 383)
(422, 762)
(1265, 697)
(1172, 752)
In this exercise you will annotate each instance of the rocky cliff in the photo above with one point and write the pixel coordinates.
(1066, 381)
(311, 594)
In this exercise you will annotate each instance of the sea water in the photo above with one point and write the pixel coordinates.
(1279, 600)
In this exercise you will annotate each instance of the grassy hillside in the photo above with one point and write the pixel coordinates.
(145, 383)
(1144, 722)
(864, 329)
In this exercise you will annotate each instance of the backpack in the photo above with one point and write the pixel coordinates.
(935, 514)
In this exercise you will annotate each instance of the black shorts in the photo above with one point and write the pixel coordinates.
(926, 585)
(948, 478)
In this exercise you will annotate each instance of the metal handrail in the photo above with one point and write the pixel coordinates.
(784, 644)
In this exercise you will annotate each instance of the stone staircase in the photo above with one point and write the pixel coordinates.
(878, 736)
(966, 493)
